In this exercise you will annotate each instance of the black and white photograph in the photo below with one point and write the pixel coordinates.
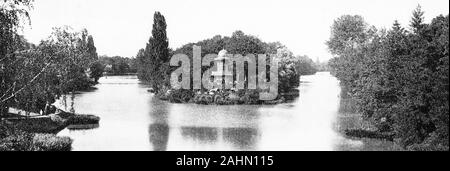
(224, 75)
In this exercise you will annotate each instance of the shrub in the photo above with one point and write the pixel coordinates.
(50, 142)
(12, 138)
(250, 97)
(203, 99)
(360, 133)
(83, 119)
(180, 96)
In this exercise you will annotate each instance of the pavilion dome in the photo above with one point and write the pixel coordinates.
(222, 55)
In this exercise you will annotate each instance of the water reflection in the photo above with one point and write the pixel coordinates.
(132, 119)
(159, 128)
(200, 134)
(159, 136)
(200, 127)
(241, 138)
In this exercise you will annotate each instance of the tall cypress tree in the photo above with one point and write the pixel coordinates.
(96, 67)
(91, 49)
(154, 66)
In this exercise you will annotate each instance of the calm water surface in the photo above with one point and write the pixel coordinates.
(132, 119)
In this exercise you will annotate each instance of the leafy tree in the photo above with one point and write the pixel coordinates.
(56, 67)
(12, 14)
(305, 65)
(288, 70)
(73, 57)
(239, 43)
(154, 66)
(96, 68)
(346, 32)
(141, 61)
(40, 74)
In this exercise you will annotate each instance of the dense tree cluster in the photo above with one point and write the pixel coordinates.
(399, 77)
(290, 66)
(33, 75)
(57, 66)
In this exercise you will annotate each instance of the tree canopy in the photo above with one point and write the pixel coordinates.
(399, 77)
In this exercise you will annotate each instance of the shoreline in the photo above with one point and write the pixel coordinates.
(51, 124)
(39, 133)
(224, 98)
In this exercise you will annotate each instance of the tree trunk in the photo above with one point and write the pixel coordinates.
(3, 111)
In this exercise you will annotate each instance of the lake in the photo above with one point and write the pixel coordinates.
(133, 120)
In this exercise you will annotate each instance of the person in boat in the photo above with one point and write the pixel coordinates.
(49, 109)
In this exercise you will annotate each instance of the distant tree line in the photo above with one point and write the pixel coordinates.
(399, 77)
(118, 65)
(322, 66)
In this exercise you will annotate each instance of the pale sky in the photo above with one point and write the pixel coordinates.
(122, 27)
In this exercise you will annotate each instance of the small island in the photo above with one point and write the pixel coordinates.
(154, 67)
(226, 91)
